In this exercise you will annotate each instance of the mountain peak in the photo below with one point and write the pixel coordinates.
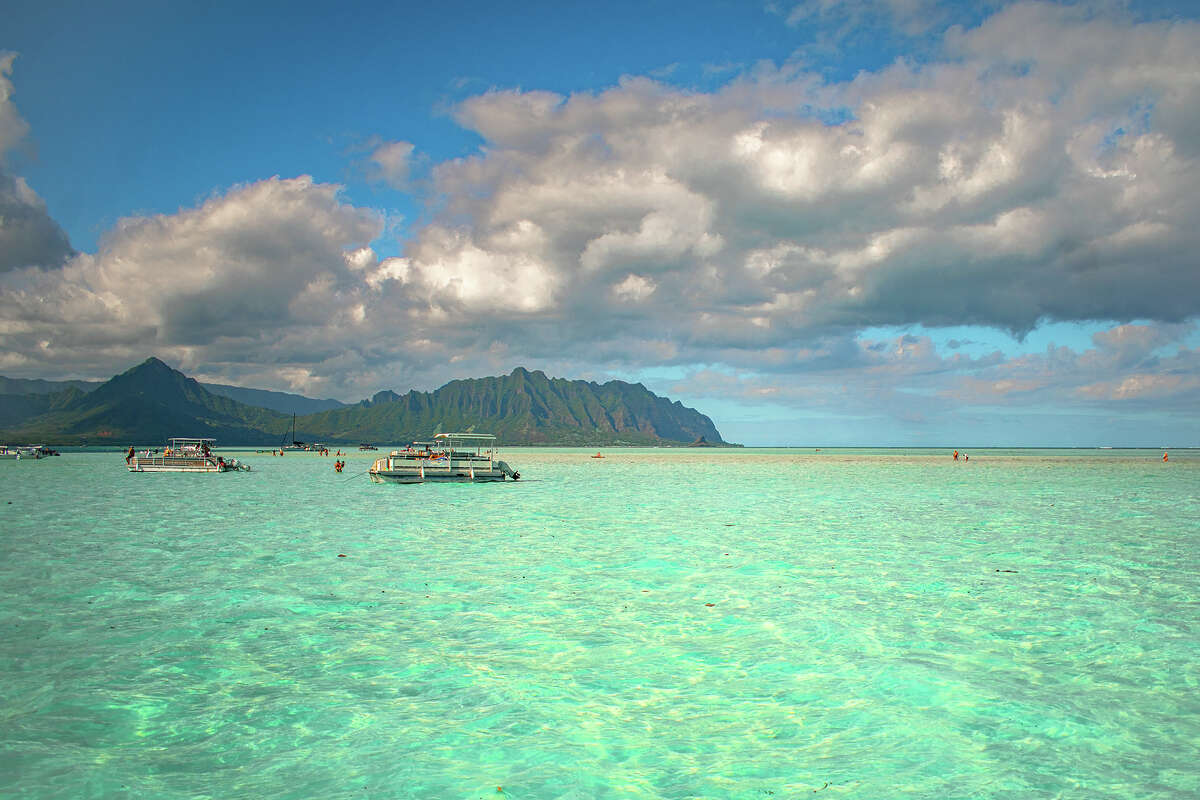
(152, 366)
(152, 378)
(152, 401)
(522, 372)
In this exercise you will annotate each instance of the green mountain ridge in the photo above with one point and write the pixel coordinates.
(148, 404)
(152, 402)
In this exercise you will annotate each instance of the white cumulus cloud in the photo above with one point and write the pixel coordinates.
(1041, 167)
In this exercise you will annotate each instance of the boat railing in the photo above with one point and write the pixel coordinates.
(435, 459)
(182, 460)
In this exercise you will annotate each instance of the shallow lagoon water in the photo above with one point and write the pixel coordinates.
(656, 624)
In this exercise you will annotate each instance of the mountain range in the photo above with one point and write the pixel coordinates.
(152, 402)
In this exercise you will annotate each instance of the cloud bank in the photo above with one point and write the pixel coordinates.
(1041, 170)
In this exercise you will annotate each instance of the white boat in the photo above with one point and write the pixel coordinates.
(450, 457)
(184, 455)
(17, 452)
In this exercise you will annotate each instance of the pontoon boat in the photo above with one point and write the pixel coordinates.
(184, 455)
(450, 457)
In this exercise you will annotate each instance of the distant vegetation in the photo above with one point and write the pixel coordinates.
(152, 402)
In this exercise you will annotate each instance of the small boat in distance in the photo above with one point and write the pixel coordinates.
(367, 446)
(17, 452)
(598, 455)
(289, 439)
(184, 455)
(450, 457)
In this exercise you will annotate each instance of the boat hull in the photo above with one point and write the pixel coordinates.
(394, 476)
(415, 469)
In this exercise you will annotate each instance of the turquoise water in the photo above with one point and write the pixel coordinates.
(656, 624)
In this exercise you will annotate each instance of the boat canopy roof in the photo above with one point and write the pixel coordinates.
(183, 441)
(475, 437)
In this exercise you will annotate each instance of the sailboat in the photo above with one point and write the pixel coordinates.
(294, 444)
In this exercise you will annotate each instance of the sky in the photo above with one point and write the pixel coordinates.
(822, 223)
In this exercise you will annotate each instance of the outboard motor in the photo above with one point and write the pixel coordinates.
(507, 470)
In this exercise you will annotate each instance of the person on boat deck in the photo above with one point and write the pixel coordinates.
(129, 455)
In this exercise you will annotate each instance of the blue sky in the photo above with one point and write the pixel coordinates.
(886, 222)
(227, 94)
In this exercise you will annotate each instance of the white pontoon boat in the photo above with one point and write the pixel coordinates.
(450, 457)
(184, 455)
(23, 451)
